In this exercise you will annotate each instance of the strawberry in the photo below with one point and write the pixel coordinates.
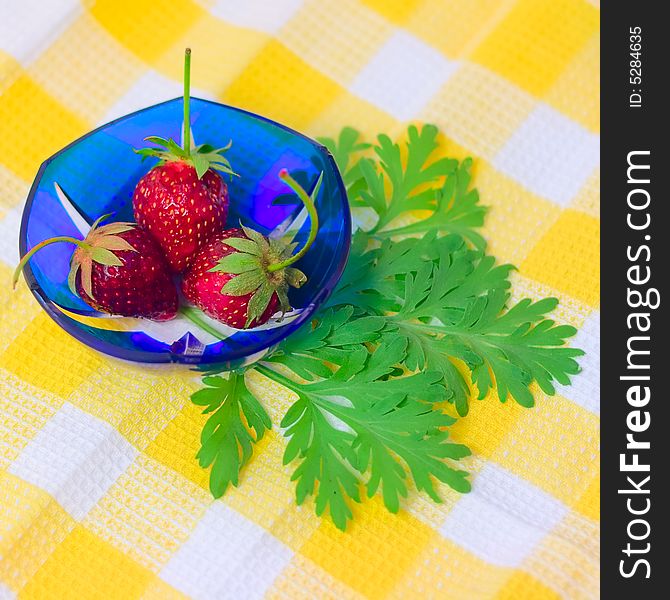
(183, 200)
(203, 287)
(118, 269)
(180, 209)
(241, 278)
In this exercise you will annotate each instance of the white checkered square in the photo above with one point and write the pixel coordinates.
(503, 518)
(6, 593)
(585, 388)
(550, 154)
(10, 223)
(403, 76)
(256, 14)
(76, 458)
(227, 556)
(27, 27)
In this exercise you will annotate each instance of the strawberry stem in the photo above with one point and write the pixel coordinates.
(28, 255)
(308, 201)
(187, 102)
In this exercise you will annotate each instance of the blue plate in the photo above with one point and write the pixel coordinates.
(97, 174)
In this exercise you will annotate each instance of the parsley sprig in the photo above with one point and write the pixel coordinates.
(237, 422)
(414, 322)
(395, 188)
(450, 303)
(387, 425)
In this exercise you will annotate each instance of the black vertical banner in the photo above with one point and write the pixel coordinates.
(635, 493)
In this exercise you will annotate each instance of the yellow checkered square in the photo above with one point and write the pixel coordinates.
(75, 80)
(554, 446)
(566, 258)
(221, 52)
(536, 40)
(137, 400)
(280, 85)
(589, 504)
(31, 357)
(396, 11)
(576, 92)
(517, 219)
(84, 566)
(32, 526)
(454, 26)
(146, 27)
(341, 48)
(522, 585)
(304, 580)
(30, 109)
(372, 556)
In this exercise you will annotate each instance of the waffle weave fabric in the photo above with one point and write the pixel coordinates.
(100, 494)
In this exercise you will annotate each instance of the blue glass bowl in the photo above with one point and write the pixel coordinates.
(97, 174)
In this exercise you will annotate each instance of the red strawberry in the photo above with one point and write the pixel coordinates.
(119, 269)
(241, 278)
(203, 287)
(183, 200)
(179, 209)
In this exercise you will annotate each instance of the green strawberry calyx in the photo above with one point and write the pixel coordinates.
(202, 157)
(262, 265)
(99, 246)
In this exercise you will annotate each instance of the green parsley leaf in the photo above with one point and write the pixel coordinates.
(371, 279)
(327, 456)
(457, 210)
(363, 424)
(237, 422)
(449, 303)
(330, 339)
(394, 187)
(344, 150)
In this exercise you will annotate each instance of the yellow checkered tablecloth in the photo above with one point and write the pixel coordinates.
(100, 495)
